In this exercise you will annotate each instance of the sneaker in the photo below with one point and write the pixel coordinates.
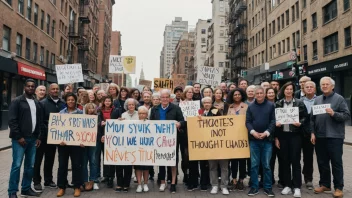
(203, 188)
(286, 191)
(50, 184)
(190, 188)
(240, 186)
(321, 189)
(269, 192)
(95, 186)
(297, 192)
(13, 195)
(139, 189)
(309, 185)
(214, 190)
(253, 192)
(125, 190)
(145, 188)
(38, 188)
(162, 187)
(118, 190)
(225, 191)
(173, 188)
(29, 193)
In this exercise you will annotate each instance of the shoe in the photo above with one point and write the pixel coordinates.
(38, 187)
(50, 184)
(77, 192)
(203, 188)
(214, 190)
(61, 192)
(162, 187)
(225, 191)
(286, 191)
(13, 195)
(95, 186)
(321, 189)
(125, 190)
(338, 193)
(118, 190)
(82, 188)
(297, 192)
(253, 192)
(139, 189)
(135, 180)
(309, 185)
(173, 188)
(104, 179)
(145, 188)
(269, 192)
(169, 181)
(110, 183)
(240, 186)
(88, 186)
(280, 186)
(29, 193)
(190, 188)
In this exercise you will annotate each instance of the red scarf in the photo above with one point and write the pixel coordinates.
(106, 113)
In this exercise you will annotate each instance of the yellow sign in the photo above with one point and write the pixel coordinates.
(129, 64)
(122, 64)
(163, 83)
(219, 137)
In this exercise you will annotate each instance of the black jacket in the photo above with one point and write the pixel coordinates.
(173, 113)
(298, 94)
(115, 113)
(20, 122)
(303, 117)
(49, 106)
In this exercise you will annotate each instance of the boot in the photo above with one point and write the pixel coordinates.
(77, 192)
(61, 192)
(89, 185)
(338, 193)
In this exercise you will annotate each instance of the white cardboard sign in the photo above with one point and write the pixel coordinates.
(209, 75)
(287, 115)
(320, 109)
(190, 108)
(69, 73)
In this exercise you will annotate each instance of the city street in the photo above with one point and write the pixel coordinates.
(5, 163)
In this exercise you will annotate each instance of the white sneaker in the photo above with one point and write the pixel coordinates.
(96, 186)
(297, 192)
(139, 189)
(162, 187)
(214, 190)
(225, 191)
(145, 188)
(286, 191)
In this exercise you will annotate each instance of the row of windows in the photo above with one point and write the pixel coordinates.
(258, 39)
(257, 59)
(280, 48)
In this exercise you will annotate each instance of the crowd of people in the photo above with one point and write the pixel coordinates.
(269, 140)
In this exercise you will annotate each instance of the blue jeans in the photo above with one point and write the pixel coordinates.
(90, 156)
(261, 151)
(18, 153)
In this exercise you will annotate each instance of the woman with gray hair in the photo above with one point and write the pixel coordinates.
(130, 106)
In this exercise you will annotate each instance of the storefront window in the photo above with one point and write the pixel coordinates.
(5, 94)
(347, 92)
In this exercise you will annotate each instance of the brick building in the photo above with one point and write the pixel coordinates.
(116, 49)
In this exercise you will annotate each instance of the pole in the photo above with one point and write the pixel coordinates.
(123, 75)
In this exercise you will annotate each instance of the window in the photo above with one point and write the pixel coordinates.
(270, 30)
(294, 40)
(9, 2)
(346, 5)
(203, 40)
(315, 49)
(304, 3)
(35, 14)
(204, 31)
(19, 44)
(283, 46)
(221, 32)
(279, 48)
(274, 27)
(28, 49)
(29, 9)
(221, 64)
(53, 29)
(62, 6)
(297, 9)
(47, 23)
(348, 36)
(41, 56)
(262, 56)
(282, 21)
(186, 58)
(47, 58)
(331, 43)
(53, 1)
(298, 38)
(259, 37)
(278, 24)
(330, 11)
(293, 13)
(221, 48)
(35, 52)
(287, 17)
(288, 44)
(6, 38)
(250, 25)
(42, 20)
(20, 6)
(274, 50)
(305, 52)
(304, 24)
(263, 35)
(52, 61)
(314, 21)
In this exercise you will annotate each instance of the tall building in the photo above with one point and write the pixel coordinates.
(116, 49)
(141, 77)
(200, 45)
(161, 70)
(172, 34)
(184, 53)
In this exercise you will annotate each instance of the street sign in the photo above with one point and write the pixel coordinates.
(293, 56)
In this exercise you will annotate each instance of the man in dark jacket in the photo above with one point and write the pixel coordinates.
(51, 104)
(25, 123)
(196, 92)
(300, 93)
(260, 122)
(168, 111)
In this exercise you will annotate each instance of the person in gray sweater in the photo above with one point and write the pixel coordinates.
(328, 134)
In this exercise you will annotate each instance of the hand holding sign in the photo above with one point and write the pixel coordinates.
(286, 116)
(330, 111)
(321, 109)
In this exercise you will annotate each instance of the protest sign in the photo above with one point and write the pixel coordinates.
(147, 83)
(220, 137)
(104, 86)
(163, 83)
(190, 108)
(122, 64)
(180, 82)
(69, 73)
(73, 129)
(209, 75)
(287, 115)
(137, 142)
(320, 109)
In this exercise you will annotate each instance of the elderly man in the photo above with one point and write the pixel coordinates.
(302, 81)
(328, 135)
(40, 92)
(260, 122)
(250, 94)
(265, 85)
(168, 111)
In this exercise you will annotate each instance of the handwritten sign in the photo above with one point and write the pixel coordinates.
(287, 115)
(320, 109)
(163, 83)
(209, 75)
(122, 64)
(69, 73)
(73, 129)
(140, 143)
(180, 82)
(220, 137)
(147, 83)
(190, 108)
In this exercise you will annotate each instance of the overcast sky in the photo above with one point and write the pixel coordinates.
(142, 24)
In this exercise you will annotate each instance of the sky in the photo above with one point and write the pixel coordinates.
(142, 24)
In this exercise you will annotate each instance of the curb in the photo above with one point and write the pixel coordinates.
(8, 147)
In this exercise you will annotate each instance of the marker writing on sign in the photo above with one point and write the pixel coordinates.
(209, 123)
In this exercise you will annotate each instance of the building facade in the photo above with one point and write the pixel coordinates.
(200, 44)
(116, 49)
(183, 54)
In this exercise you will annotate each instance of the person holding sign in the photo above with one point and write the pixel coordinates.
(168, 111)
(236, 99)
(288, 138)
(328, 136)
(72, 152)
